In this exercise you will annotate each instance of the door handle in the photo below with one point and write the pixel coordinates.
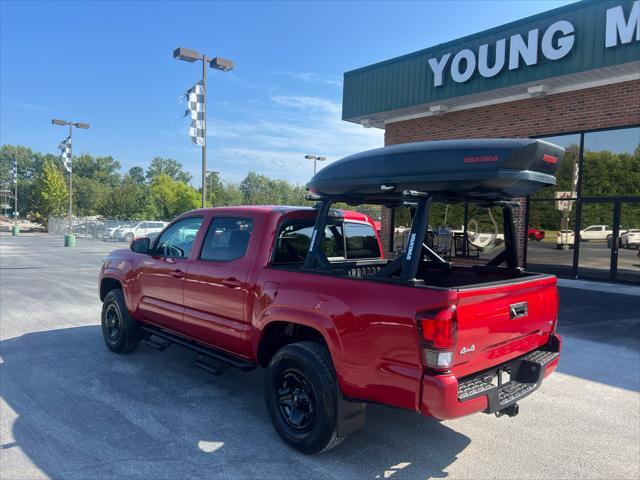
(231, 282)
(178, 274)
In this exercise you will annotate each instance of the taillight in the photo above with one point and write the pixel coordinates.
(439, 331)
(439, 327)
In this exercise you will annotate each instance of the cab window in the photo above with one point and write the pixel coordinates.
(227, 239)
(177, 240)
(293, 241)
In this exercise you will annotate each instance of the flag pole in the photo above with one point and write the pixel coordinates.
(15, 195)
(204, 125)
(16, 229)
(70, 179)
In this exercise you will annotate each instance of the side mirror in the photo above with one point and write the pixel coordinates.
(140, 245)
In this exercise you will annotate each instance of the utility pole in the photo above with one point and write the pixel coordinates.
(219, 64)
(69, 239)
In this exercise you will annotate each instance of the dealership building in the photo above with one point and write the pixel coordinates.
(569, 75)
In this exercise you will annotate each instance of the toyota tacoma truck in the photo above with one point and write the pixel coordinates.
(307, 293)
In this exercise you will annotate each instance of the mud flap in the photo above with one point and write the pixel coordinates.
(351, 416)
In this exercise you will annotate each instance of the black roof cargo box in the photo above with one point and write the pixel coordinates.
(486, 169)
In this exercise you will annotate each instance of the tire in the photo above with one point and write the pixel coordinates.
(308, 419)
(532, 237)
(121, 333)
(128, 237)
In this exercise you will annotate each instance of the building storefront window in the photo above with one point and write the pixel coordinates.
(588, 215)
(611, 163)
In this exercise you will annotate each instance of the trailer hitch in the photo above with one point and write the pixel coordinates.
(510, 411)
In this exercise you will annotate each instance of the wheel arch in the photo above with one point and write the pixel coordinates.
(280, 326)
(107, 284)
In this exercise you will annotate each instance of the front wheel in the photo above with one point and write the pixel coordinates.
(128, 237)
(301, 396)
(121, 333)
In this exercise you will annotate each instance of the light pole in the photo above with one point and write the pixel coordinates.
(315, 159)
(69, 240)
(219, 64)
(16, 228)
(211, 173)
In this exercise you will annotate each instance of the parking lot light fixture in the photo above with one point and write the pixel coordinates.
(217, 63)
(220, 63)
(315, 159)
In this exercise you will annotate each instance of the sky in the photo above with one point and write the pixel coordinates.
(110, 64)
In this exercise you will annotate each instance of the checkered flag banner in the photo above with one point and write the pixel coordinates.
(195, 102)
(65, 153)
(14, 170)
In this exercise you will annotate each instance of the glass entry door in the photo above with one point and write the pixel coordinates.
(609, 239)
(594, 238)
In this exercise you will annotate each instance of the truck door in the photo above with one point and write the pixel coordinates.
(161, 275)
(216, 287)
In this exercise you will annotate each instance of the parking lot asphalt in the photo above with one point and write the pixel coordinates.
(71, 409)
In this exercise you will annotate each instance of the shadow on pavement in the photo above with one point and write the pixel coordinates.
(601, 337)
(84, 412)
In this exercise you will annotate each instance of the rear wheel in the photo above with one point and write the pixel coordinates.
(121, 333)
(301, 396)
(128, 237)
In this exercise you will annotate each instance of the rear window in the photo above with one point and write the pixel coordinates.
(361, 241)
(293, 242)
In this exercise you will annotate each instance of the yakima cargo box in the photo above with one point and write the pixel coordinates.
(487, 169)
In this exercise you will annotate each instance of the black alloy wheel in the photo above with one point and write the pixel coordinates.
(121, 332)
(301, 394)
(297, 400)
(113, 322)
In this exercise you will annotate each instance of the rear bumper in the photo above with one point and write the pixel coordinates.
(445, 396)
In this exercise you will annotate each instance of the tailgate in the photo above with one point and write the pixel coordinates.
(501, 322)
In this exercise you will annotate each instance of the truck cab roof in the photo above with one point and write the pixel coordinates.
(286, 211)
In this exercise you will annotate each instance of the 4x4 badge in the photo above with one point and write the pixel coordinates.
(471, 348)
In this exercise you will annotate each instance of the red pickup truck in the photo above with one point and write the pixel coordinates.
(307, 294)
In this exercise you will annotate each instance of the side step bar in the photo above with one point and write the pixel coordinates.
(221, 360)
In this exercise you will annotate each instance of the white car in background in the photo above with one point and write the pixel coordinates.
(630, 238)
(111, 231)
(140, 229)
(595, 232)
(565, 237)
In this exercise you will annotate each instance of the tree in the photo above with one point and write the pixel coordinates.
(89, 195)
(136, 174)
(173, 197)
(129, 201)
(169, 167)
(215, 189)
(51, 194)
(102, 169)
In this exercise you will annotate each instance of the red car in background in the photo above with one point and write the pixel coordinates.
(535, 234)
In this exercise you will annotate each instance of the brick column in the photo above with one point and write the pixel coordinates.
(386, 228)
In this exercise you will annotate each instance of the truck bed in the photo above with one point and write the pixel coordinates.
(448, 276)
